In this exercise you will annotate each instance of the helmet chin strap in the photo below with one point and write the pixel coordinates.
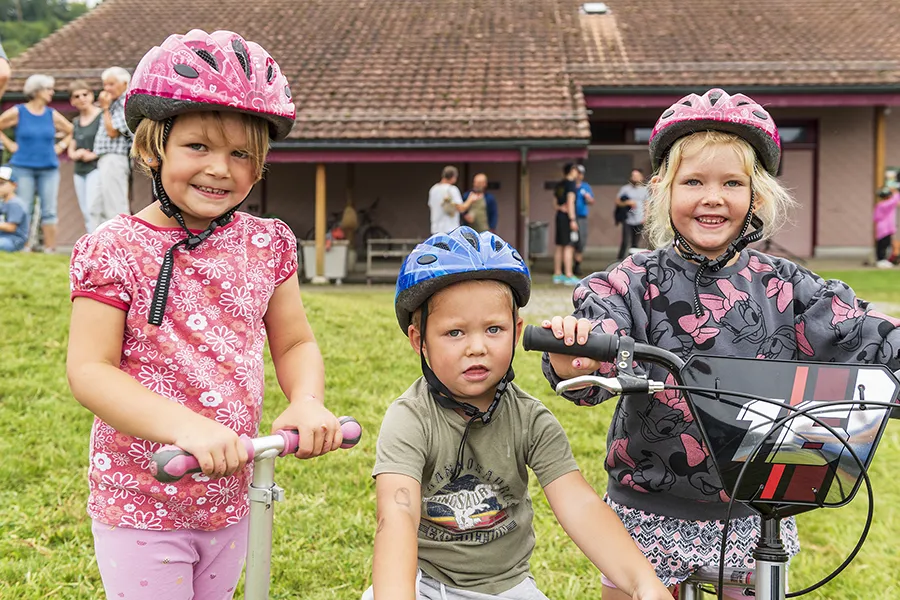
(444, 397)
(168, 208)
(741, 242)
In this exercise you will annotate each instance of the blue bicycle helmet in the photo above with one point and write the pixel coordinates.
(461, 255)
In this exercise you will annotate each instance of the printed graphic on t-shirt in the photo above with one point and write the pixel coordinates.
(468, 509)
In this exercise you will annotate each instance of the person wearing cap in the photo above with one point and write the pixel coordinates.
(583, 201)
(14, 219)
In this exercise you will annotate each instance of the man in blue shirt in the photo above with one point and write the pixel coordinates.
(14, 219)
(583, 199)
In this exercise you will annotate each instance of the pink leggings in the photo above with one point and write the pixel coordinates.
(730, 592)
(137, 564)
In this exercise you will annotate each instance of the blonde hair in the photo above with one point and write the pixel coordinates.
(148, 140)
(772, 201)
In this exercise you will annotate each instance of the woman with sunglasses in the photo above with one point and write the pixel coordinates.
(81, 149)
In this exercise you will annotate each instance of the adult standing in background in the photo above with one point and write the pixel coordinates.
(632, 195)
(5, 70)
(566, 227)
(81, 149)
(482, 215)
(445, 203)
(35, 149)
(112, 147)
(583, 200)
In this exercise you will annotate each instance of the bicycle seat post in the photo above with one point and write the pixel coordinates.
(771, 561)
(263, 495)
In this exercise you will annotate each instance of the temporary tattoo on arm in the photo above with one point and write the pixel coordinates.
(401, 497)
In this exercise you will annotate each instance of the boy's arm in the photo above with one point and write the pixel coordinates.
(301, 372)
(597, 531)
(8, 227)
(395, 561)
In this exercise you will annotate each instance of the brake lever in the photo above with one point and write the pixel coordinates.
(616, 385)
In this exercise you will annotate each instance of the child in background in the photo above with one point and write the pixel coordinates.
(885, 215)
(454, 513)
(14, 218)
(703, 291)
(171, 311)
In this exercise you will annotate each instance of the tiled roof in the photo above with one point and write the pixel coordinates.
(437, 70)
(659, 43)
(362, 69)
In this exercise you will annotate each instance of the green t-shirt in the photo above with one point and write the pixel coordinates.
(476, 532)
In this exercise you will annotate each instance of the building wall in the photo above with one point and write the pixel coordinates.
(892, 157)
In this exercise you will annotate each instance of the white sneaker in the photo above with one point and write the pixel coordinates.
(884, 264)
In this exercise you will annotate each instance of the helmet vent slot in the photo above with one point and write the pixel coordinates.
(472, 239)
(442, 246)
(497, 245)
(270, 74)
(714, 97)
(688, 103)
(668, 114)
(241, 53)
(186, 71)
(760, 115)
(207, 58)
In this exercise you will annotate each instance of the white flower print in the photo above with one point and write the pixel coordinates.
(237, 302)
(117, 264)
(185, 355)
(239, 359)
(222, 493)
(202, 501)
(142, 452)
(129, 508)
(213, 509)
(171, 490)
(229, 509)
(122, 485)
(162, 512)
(159, 504)
(158, 379)
(200, 477)
(241, 512)
(226, 285)
(221, 339)
(110, 501)
(187, 301)
(235, 416)
(213, 312)
(189, 271)
(136, 340)
(212, 268)
(227, 388)
(202, 348)
(261, 240)
(200, 378)
(142, 520)
(210, 398)
(102, 462)
(196, 322)
(119, 459)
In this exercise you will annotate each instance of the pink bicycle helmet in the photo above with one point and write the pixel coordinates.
(716, 110)
(203, 71)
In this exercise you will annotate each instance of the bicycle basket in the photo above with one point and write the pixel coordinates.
(801, 466)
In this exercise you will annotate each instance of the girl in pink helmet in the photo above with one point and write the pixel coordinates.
(171, 310)
(702, 290)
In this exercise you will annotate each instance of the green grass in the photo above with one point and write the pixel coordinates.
(326, 524)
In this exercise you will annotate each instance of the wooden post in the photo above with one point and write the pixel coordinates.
(320, 224)
(522, 229)
(880, 145)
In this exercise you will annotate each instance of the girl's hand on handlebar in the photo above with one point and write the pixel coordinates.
(572, 331)
(217, 448)
(319, 430)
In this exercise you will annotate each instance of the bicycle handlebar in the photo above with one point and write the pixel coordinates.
(171, 463)
(599, 346)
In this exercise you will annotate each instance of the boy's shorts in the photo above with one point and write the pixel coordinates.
(428, 588)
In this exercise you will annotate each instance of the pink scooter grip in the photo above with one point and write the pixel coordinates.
(171, 463)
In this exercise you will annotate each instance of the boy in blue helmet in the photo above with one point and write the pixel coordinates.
(454, 514)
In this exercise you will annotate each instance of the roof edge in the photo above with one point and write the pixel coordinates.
(598, 90)
(444, 144)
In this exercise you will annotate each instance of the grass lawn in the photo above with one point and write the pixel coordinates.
(325, 526)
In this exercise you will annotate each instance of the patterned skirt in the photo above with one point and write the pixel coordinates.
(676, 547)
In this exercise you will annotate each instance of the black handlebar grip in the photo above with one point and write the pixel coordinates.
(599, 346)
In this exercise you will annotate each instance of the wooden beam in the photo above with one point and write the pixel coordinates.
(880, 145)
(320, 224)
(524, 197)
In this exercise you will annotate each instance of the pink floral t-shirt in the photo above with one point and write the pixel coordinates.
(206, 355)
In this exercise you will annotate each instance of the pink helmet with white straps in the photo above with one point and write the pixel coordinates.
(716, 110)
(210, 71)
